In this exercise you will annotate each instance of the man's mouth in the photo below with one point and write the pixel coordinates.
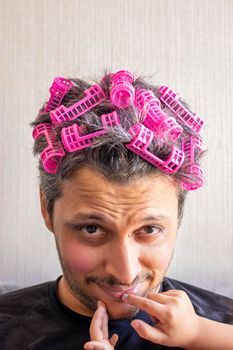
(117, 292)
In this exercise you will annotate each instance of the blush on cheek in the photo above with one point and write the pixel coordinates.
(79, 258)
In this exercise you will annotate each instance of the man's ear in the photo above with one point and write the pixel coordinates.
(44, 212)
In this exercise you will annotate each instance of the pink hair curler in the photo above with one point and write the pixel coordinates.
(156, 119)
(58, 90)
(93, 96)
(110, 119)
(53, 153)
(122, 90)
(171, 100)
(189, 144)
(170, 128)
(74, 141)
(143, 97)
(142, 138)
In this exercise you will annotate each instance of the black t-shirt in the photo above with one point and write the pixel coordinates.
(34, 318)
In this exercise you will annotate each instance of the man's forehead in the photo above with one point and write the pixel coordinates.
(88, 180)
(88, 192)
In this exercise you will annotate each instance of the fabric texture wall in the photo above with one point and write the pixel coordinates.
(185, 44)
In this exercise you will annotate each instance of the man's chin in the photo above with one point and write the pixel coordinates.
(116, 308)
(120, 311)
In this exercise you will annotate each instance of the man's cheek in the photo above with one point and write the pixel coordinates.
(166, 255)
(160, 258)
(79, 259)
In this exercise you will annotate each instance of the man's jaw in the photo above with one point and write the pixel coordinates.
(109, 291)
(111, 296)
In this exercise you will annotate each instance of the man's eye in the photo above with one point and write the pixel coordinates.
(152, 230)
(90, 229)
(89, 232)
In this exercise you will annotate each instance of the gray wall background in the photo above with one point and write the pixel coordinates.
(187, 43)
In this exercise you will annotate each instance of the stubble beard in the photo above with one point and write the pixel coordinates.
(90, 301)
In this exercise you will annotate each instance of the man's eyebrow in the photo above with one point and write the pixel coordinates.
(100, 217)
(155, 217)
(88, 216)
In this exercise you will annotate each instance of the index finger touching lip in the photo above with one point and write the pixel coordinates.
(149, 306)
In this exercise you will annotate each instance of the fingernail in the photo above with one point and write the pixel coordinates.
(135, 325)
(100, 303)
(124, 296)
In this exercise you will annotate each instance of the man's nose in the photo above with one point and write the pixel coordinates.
(123, 261)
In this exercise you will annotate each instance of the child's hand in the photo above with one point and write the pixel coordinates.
(177, 324)
(99, 331)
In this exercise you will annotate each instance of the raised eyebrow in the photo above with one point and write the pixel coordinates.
(155, 217)
(101, 218)
(88, 216)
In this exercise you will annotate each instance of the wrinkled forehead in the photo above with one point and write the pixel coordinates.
(88, 178)
(90, 189)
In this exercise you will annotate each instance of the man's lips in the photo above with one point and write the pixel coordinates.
(116, 292)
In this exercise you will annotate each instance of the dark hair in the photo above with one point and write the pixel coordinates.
(108, 155)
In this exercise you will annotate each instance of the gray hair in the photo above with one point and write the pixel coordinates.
(108, 155)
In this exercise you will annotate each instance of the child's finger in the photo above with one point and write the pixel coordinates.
(89, 346)
(113, 340)
(96, 327)
(97, 345)
(105, 324)
(162, 297)
(149, 306)
(149, 332)
(172, 293)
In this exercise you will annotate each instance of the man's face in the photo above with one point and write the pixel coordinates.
(113, 239)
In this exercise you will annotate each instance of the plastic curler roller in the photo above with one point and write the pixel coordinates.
(110, 119)
(122, 91)
(143, 97)
(58, 90)
(142, 138)
(74, 141)
(189, 144)
(93, 96)
(53, 153)
(155, 118)
(171, 100)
